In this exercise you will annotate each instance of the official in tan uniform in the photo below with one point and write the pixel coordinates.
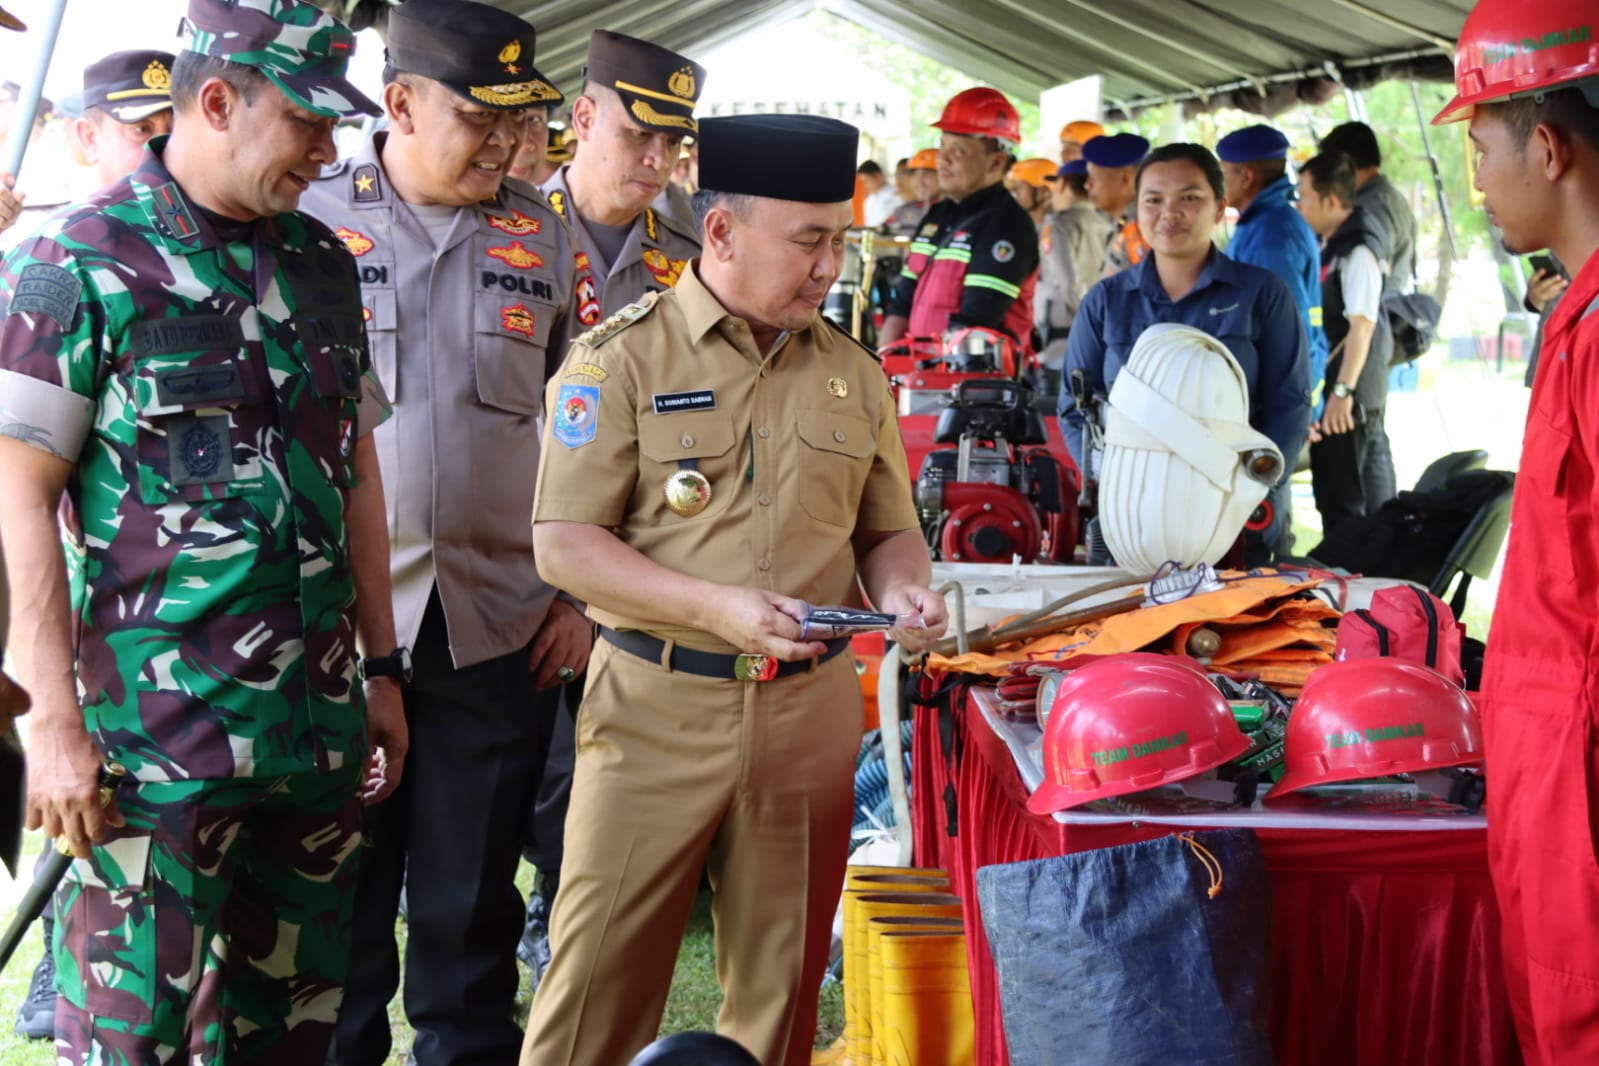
(468, 285)
(636, 108)
(717, 457)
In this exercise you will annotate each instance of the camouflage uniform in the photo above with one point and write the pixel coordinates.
(208, 381)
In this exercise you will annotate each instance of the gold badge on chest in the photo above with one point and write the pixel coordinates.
(688, 492)
(838, 387)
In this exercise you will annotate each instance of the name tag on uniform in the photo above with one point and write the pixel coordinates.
(698, 400)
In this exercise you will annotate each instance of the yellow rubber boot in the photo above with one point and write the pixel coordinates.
(875, 928)
(859, 880)
(867, 906)
(927, 1001)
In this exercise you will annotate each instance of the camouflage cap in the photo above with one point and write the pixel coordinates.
(129, 86)
(301, 49)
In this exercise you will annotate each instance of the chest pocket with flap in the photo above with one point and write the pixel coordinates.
(703, 439)
(833, 468)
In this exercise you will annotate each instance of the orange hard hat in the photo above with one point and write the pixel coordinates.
(1363, 718)
(981, 113)
(926, 159)
(1081, 130)
(1130, 722)
(1511, 48)
(1034, 172)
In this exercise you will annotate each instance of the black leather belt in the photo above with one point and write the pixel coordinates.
(713, 664)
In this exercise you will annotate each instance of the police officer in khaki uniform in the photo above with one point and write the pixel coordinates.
(716, 458)
(636, 108)
(468, 284)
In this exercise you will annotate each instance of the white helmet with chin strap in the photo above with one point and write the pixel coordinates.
(1183, 470)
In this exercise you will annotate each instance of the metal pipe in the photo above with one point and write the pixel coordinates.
(1437, 175)
(1444, 45)
(28, 98)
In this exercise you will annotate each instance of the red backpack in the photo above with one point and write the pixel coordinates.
(1404, 622)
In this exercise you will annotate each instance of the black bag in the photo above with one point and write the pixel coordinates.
(1413, 319)
(1410, 535)
(1145, 954)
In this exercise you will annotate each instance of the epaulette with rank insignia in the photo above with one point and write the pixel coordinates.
(622, 319)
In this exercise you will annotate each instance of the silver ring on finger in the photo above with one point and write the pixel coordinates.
(565, 673)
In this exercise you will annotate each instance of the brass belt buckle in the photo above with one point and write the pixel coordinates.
(755, 667)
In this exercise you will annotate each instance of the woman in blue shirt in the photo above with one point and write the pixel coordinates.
(1179, 189)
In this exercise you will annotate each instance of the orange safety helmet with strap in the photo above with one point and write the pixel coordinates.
(1034, 172)
(1373, 717)
(1511, 48)
(1130, 722)
(981, 113)
(924, 159)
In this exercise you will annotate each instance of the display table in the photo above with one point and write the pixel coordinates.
(1385, 944)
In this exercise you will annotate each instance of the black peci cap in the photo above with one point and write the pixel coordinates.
(781, 157)
(658, 87)
(479, 52)
(129, 86)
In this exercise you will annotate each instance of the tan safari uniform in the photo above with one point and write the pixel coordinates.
(464, 422)
(677, 772)
(652, 260)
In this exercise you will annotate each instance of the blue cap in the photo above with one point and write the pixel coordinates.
(1116, 150)
(1076, 166)
(1252, 143)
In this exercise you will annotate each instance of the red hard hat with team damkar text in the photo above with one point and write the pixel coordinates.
(981, 113)
(1364, 718)
(1130, 722)
(1511, 48)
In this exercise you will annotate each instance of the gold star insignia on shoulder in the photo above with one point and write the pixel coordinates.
(364, 183)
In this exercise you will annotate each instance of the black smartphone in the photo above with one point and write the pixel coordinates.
(1545, 263)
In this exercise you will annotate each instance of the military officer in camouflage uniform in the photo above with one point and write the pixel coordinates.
(636, 108)
(183, 354)
(469, 283)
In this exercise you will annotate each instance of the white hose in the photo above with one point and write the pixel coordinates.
(888, 718)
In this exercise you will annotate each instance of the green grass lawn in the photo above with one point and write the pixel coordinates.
(693, 1003)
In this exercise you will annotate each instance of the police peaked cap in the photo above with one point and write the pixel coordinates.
(477, 51)
(658, 87)
(1116, 150)
(1252, 143)
(129, 86)
(781, 157)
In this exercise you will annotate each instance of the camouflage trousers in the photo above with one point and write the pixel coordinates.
(214, 928)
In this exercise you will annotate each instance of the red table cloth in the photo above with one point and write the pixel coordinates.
(1385, 945)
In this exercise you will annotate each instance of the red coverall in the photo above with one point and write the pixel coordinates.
(1541, 700)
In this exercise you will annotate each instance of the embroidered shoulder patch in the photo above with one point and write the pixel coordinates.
(577, 410)
(49, 290)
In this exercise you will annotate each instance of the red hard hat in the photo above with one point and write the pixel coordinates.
(1365, 718)
(981, 113)
(1510, 48)
(1130, 722)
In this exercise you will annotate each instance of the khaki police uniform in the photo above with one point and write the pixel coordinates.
(653, 259)
(678, 773)
(463, 313)
(499, 292)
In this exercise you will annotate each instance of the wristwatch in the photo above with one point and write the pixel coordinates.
(396, 664)
(1340, 390)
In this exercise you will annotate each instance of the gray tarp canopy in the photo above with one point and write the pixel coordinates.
(1211, 52)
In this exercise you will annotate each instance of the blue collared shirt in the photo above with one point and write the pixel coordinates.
(1246, 308)
(1272, 234)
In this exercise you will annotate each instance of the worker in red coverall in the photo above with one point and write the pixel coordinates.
(1527, 75)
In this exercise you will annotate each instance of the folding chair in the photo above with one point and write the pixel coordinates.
(1442, 469)
(1477, 549)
